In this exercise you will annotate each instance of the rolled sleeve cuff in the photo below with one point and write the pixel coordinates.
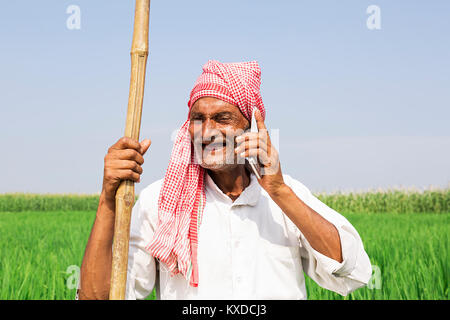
(349, 255)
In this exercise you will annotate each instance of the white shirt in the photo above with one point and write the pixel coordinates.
(248, 249)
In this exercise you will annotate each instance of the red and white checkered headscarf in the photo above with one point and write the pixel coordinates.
(182, 196)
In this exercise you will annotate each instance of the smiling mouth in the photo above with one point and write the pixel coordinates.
(213, 146)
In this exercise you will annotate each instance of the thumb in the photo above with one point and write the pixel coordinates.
(145, 144)
(260, 120)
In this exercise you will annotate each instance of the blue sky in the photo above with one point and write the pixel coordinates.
(356, 108)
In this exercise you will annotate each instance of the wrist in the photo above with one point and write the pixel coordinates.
(106, 205)
(106, 198)
(280, 191)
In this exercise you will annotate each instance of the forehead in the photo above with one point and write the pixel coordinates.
(211, 105)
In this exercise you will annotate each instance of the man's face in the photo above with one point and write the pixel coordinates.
(214, 125)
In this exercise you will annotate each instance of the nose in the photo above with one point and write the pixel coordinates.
(209, 131)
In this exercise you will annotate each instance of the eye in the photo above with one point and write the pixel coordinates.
(196, 118)
(223, 118)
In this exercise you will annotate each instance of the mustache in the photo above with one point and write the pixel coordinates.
(218, 137)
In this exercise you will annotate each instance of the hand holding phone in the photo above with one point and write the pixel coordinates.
(253, 161)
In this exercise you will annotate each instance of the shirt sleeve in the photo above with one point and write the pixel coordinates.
(141, 265)
(354, 271)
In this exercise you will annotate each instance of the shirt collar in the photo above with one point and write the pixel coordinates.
(249, 196)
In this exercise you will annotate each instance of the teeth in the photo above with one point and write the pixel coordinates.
(214, 147)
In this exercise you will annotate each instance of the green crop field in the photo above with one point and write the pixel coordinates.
(405, 235)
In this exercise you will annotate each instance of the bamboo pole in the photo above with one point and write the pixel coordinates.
(125, 192)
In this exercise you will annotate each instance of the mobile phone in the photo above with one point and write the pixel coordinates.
(253, 161)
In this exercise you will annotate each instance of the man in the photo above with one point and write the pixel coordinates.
(211, 229)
